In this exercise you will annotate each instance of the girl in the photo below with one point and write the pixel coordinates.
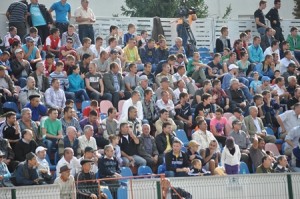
(230, 158)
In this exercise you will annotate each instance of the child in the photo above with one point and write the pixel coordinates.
(114, 141)
(195, 65)
(225, 56)
(197, 169)
(129, 34)
(50, 64)
(94, 106)
(244, 38)
(276, 74)
(255, 83)
(192, 151)
(231, 155)
(143, 39)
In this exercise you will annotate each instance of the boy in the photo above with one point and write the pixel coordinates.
(195, 68)
(50, 64)
(197, 169)
(225, 56)
(255, 83)
(53, 42)
(143, 39)
(130, 34)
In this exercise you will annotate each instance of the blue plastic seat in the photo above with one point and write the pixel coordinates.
(51, 166)
(11, 106)
(85, 104)
(122, 193)
(269, 131)
(144, 170)
(183, 149)
(244, 168)
(181, 135)
(161, 169)
(125, 172)
(108, 193)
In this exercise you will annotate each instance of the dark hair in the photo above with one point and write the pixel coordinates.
(262, 2)
(277, 1)
(131, 65)
(112, 27)
(53, 30)
(286, 52)
(67, 108)
(50, 56)
(93, 113)
(111, 110)
(257, 96)
(94, 103)
(206, 82)
(147, 91)
(278, 79)
(143, 32)
(9, 114)
(135, 92)
(11, 28)
(180, 55)
(86, 39)
(165, 124)
(162, 111)
(255, 38)
(223, 29)
(243, 53)
(180, 67)
(182, 95)
(205, 96)
(293, 29)
(247, 31)
(111, 39)
(103, 52)
(150, 40)
(121, 126)
(220, 110)
(50, 110)
(99, 38)
(216, 82)
(264, 158)
(243, 34)
(69, 101)
(33, 30)
(236, 42)
(130, 26)
(216, 55)
(53, 80)
(171, 58)
(113, 65)
(274, 43)
(177, 142)
(60, 63)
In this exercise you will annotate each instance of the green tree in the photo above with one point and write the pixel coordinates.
(161, 8)
(296, 12)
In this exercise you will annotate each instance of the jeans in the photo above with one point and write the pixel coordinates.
(261, 31)
(297, 55)
(50, 144)
(181, 32)
(96, 96)
(70, 95)
(43, 32)
(81, 95)
(86, 31)
(138, 161)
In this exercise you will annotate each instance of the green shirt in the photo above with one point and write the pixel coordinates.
(53, 127)
(190, 68)
(294, 42)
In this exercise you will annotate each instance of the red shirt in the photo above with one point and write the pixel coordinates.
(87, 110)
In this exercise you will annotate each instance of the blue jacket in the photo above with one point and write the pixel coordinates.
(75, 82)
(256, 54)
(25, 175)
(148, 55)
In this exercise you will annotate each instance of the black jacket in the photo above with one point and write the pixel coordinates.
(45, 84)
(47, 16)
(220, 46)
(161, 142)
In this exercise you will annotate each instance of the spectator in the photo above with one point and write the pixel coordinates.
(289, 119)
(53, 42)
(260, 18)
(265, 166)
(162, 52)
(294, 42)
(10, 129)
(230, 158)
(296, 158)
(165, 86)
(189, 82)
(178, 47)
(148, 54)
(38, 110)
(274, 18)
(4, 61)
(133, 101)
(52, 130)
(43, 165)
(164, 118)
(177, 161)
(282, 93)
(70, 140)
(236, 95)
(114, 141)
(33, 33)
(217, 126)
(168, 191)
(101, 62)
(114, 84)
(113, 57)
(192, 151)
(69, 160)
(183, 113)
(67, 49)
(128, 144)
(257, 151)
(25, 145)
(16, 15)
(130, 34)
(5, 174)
(215, 69)
(285, 61)
(223, 41)
(238, 48)
(110, 124)
(76, 84)
(196, 69)
(55, 96)
(31, 52)
(270, 109)
(266, 68)
(265, 86)
(87, 139)
(274, 48)
(150, 76)
(131, 55)
(219, 95)
(90, 154)
(66, 182)
(114, 32)
(28, 91)
(10, 37)
(197, 99)
(71, 33)
(282, 165)
(93, 106)
(26, 123)
(113, 45)
(133, 121)
(256, 54)
(169, 61)
(131, 80)
(147, 148)
(143, 86)
(85, 48)
(41, 80)
(85, 18)
(166, 103)
(205, 108)
(84, 64)
(62, 14)
(180, 89)
(267, 38)
(68, 120)
(295, 99)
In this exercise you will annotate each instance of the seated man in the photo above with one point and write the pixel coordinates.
(43, 164)
(87, 139)
(68, 120)
(177, 161)
(31, 52)
(177, 48)
(257, 151)
(217, 126)
(90, 154)
(25, 145)
(133, 121)
(68, 49)
(10, 37)
(110, 124)
(55, 96)
(9, 156)
(28, 91)
(166, 103)
(165, 86)
(38, 110)
(93, 106)
(282, 165)
(97, 47)
(147, 148)
(53, 42)
(143, 86)
(10, 129)
(71, 33)
(52, 130)
(166, 72)
(148, 54)
(135, 101)
(41, 81)
(223, 41)
(265, 166)
(101, 62)
(220, 96)
(26, 123)
(8, 89)
(183, 113)
(131, 79)
(296, 158)
(236, 95)
(131, 54)
(85, 48)
(255, 126)
(170, 191)
(211, 156)
(68, 159)
(128, 144)
(163, 118)
(70, 140)
(189, 82)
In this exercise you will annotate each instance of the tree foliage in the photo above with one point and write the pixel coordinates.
(296, 12)
(161, 8)
(227, 12)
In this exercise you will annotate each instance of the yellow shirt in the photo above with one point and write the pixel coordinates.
(168, 148)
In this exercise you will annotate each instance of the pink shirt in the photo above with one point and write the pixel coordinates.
(219, 125)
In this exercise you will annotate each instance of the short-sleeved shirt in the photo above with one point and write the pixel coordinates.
(33, 53)
(219, 124)
(36, 16)
(184, 111)
(94, 80)
(53, 127)
(17, 12)
(61, 11)
(206, 109)
(131, 80)
(255, 84)
(81, 51)
(289, 119)
(260, 15)
(215, 68)
(81, 12)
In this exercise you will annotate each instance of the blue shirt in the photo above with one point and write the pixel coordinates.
(36, 16)
(33, 53)
(256, 54)
(37, 112)
(255, 84)
(61, 11)
(127, 36)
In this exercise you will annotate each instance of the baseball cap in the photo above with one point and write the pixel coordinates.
(265, 78)
(232, 66)
(114, 51)
(29, 39)
(40, 148)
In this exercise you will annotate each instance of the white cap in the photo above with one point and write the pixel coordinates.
(232, 66)
(40, 148)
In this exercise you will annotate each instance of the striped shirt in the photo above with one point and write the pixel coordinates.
(55, 98)
(17, 12)
(63, 80)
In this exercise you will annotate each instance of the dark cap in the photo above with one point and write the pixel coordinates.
(292, 65)
(33, 96)
(238, 110)
(30, 156)
(89, 149)
(164, 79)
(114, 51)
(236, 122)
(29, 39)
(82, 162)
(64, 168)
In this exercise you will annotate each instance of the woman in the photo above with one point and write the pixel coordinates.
(77, 84)
(266, 68)
(230, 158)
(243, 64)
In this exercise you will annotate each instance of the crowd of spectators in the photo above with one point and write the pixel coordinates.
(226, 107)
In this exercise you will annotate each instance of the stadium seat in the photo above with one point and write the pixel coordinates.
(161, 169)
(103, 116)
(144, 170)
(184, 149)
(125, 172)
(244, 168)
(11, 106)
(51, 166)
(122, 193)
(85, 104)
(227, 115)
(120, 106)
(108, 193)
(105, 105)
(181, 135)
(272, 147)
(269, 131)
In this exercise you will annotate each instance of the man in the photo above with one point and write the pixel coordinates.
(178, 47)
(41, 80)
(53, 42)
(70, 160)
(95, 123)
(133, 121)
(148, 104)
(131, 54)
(66, 183)
(85, 18)
(273, 48)
(101, 62)
(33, 33)
(294, 42)
(177, 161)
(285, 61)
(255, 126)
(16, 15)
(265, 166)
(10, 38)
(71, 33)
(128, 143)
(169, 191)
(55, 96)
(114, 84)
(9, 156)
(43, 164)
(143, 86)
(295, 163)
(70, 140)
(97, 47)
(236, 95)
(26, 172)
(260, 18)
(165, 73)
(257, 151)
(223, 41)
(28, 91)
(39, 17)
(115, 32)
(183, 113)
(67, 50)
(256, 54)
(274, 19)
(165, 86)
(133, 101)
(295, 99)
(25, 145)
(62, 14)
(282, 93)
(290, 73)
(87, 138)
(148, 54)
(164, 118)
(37, 108)
(166, 103)
(89, 154)
(10, 129)
(52, 130)
(27, 123)
(32, 53)
(267, 38)
(147, 148)
(85, 48)
(283, 165)
(68, 120)
(110, 124)
(189, 82)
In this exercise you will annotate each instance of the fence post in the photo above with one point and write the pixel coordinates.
(158, 188)
(290, 187)
(13, 194)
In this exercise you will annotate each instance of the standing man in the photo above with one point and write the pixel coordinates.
(260, 18)
(39, 17)
(63, 15)
(85, 19)
(274, 18)
(16, 15)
